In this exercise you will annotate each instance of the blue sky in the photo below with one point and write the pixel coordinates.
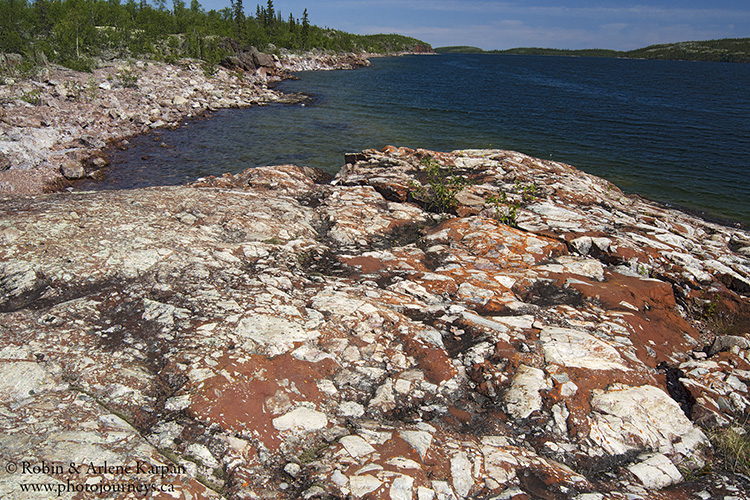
(563, 24)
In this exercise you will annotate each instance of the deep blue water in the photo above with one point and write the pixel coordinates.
(674, 131)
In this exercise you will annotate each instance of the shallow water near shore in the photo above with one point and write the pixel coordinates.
(673, 131)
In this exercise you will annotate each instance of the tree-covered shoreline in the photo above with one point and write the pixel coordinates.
(80, 33)
(724, 50)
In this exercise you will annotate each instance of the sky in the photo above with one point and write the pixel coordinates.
(561, 24)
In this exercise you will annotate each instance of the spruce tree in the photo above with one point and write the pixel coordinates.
(305, 29)
(239, 12)
(269, 13)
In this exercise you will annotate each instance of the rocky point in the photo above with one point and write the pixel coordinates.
(56, 126)
(277, 334)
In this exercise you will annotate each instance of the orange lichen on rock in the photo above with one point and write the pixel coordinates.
(281, 336)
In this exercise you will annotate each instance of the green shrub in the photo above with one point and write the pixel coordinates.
(505, 209)
(439, 195)
(82, 64)
(128, 78)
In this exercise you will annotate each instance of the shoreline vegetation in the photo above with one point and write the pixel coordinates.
(725, 50)
(84, 34)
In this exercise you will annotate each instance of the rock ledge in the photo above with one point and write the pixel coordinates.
(271, 335)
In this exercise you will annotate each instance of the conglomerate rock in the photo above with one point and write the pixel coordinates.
(275, 335)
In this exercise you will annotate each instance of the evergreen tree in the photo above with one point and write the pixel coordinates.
(178, 7)
(269, 14)
(305, 30)
(13, 25)
(238, 11)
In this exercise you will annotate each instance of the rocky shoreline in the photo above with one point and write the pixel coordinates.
(55, 127)
(275, 334)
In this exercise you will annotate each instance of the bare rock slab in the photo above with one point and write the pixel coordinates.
(281, 336)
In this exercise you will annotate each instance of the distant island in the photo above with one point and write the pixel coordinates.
(724, 50)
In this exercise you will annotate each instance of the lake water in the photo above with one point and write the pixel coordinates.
(674, 131)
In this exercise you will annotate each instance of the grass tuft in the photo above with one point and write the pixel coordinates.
(732, 445)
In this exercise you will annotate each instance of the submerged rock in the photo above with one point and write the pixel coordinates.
(274, 335)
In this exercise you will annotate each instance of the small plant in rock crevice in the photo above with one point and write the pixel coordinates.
(128, 78)
(92, 88)
(82, 93)
(732, 445)
(310, 453)
(506, 210)
(735, 447)
(714, 317)
(33, 97)
(528, 192)
(74, 90)
(439, 195)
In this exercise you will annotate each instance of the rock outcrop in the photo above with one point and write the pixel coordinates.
(319, 60)
(272, 335)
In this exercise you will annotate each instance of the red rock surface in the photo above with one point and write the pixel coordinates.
(359, 346)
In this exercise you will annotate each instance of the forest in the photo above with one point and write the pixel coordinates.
(80, 33)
